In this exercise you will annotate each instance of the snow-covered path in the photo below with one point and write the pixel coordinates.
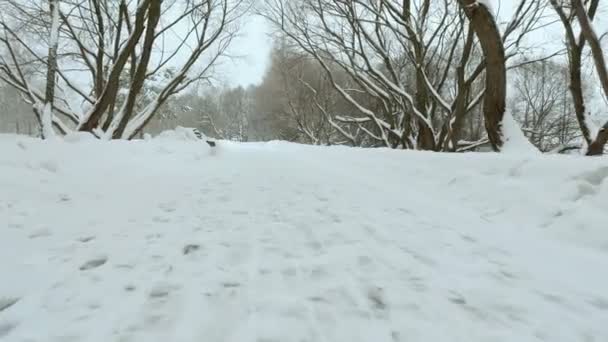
(167, 241)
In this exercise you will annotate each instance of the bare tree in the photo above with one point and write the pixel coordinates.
(297, 94)
(402, 54)
(596, 147)
(123, 49)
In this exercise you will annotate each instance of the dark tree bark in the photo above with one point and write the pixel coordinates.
(597, 145)
(484, 25)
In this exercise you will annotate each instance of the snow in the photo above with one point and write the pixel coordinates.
(160, 240)
(514, 140)
(180, 134)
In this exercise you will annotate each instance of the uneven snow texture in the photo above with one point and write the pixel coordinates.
(162, 240)
(181, 134)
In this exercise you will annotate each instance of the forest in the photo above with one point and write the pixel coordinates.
(425, 75)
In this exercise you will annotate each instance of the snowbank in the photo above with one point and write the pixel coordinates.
(160, 241)
(181, 134)
(515, 142)
(76, 137)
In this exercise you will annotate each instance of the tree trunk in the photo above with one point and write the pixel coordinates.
(139, 76)
(597, 145)
(487, 32)
(112, 85)
(576, 89)
(47, 110)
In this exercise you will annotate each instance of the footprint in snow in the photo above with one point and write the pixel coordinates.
(168, 207)
(93, 263)
(364, 261)
(318, 273)
(6, 328)
(86, 239)
(231, 284)
(191, 248)
(418, 284)
(93, 306)
(6, 303)
(162, 291)
(160, 219)
(49, 166)
(600, 303)
(223, 198)
(22, 145)
(317, 299)
(457, 298)
(468, 238)
(159, 293)
(40, 233)
(289, 272)
(16, 225)
(376, 297)
(595, 177)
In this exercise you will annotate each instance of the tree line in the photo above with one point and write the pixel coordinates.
(407, 74)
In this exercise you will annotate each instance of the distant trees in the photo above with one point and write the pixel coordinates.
(542, 104)
(16, 115)
(223, 113)
(298, 100)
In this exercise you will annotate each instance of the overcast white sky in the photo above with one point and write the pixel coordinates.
(253, 47)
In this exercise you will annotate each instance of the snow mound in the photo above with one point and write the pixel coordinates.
(181, 134)
(514, 140)
(77, 137)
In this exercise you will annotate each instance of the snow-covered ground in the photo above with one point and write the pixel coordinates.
(167, 240)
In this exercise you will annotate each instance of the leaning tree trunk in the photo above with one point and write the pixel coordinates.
(597, 145)
(46, 119)
(484, 25)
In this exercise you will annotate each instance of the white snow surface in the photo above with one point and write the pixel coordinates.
(180, 134)
(161, 240)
